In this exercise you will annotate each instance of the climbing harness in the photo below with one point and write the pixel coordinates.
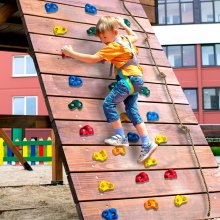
(183, 127)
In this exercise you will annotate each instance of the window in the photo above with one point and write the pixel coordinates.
(175, 11)
(192, 96)
(210, 11)
(25, 105)
(181, 56)
(211, 55)
(211, 98)
(23, 66)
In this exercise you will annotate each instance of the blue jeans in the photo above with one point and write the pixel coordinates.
(120, 93)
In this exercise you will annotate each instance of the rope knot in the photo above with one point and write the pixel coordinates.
(185, 128)
(162, 75)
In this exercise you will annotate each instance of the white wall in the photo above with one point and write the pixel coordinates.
(188, 34)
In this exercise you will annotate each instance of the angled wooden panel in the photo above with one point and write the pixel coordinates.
(69, 133)
(92, 111)
(55, 64)
(188, 181)
(98, 88)
(79, 158)
(131, 209)
(77, 14)
(78, 31)
(53, 45)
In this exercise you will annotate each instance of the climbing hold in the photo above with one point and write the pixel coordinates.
(133, 137)
(63, 55)
(91, 31)
(145, 91)
(119, 150)
(150, 162)
(51, 7)
(112, 85)
(75, 104)
(141, 177)
(124, 117)
(86, 131)
(102, 61)
(152, 116)
(179, 200)
(170, 174)
(105, 186)
(151, 203)
(110, 214)
(161, 139)
(100, 156)
(127, 22)
(90, 9)
(75, 81)
(57, 30)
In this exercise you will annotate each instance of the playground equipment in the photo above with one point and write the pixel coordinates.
(76, 150)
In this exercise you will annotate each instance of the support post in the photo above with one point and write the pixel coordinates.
(57, 168)
(10, 144)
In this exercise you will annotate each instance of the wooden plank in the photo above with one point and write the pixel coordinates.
(78, 31)
(91, 111)
(98, 88)
(188, 181)
(131, 209)
(77, 14)
(6, 11)
(69, 133)
(24, 121)
(55, 64)
(79, 158)
(53, 45)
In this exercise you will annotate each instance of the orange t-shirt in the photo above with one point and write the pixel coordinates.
(120, 55)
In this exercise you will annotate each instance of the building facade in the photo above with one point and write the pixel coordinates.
(188, 32)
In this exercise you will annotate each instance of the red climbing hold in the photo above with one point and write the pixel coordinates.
(170, 174)
(86, 131)
(142, 177)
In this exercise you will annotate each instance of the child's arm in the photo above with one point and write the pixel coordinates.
(132, 36)
(86, 58)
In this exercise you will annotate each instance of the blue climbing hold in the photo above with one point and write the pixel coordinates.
(75, 81)
(51, 7)
(110, 214)
(133, 137)
(90, 9)
(152, 116)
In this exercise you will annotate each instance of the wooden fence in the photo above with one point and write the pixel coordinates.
(34, 151)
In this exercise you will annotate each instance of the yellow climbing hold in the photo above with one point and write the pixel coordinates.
(105, 186)
(161, 139)
(100, 156)
(179, 200)
(57, 30)
(150, 162)
(124, 117)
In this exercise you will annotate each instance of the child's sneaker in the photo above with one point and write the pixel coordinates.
(147, 151)
(117, 141)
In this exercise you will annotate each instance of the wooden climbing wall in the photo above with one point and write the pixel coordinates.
(83, 173)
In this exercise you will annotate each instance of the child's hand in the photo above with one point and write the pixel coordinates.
(120, 21)
(67, 50)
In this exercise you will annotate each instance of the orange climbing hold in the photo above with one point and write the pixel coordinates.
(119, 150)
(151, 204)
(124, 117)
(105, 186)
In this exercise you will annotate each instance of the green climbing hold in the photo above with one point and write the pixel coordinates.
(112, 85)
(91, 31)
(127, 22)
(75, 104)
(145, 91)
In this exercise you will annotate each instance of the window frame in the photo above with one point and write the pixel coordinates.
(181, 46)
(25, 67)
(215, 58)
(25, 104)
(203, 99)
(197, 98)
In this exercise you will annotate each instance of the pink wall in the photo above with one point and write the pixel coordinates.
(17, 86)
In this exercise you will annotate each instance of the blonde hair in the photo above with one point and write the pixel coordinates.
(106, 23)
